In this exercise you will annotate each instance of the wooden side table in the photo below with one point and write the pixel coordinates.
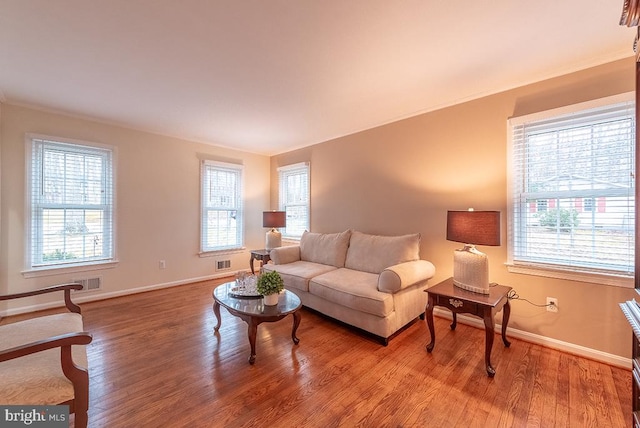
(485, 306)
(262, 255)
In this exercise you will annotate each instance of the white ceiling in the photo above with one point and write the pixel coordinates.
(268, 76)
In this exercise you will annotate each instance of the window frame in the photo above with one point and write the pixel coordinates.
(615, 278)
(283, 172)
(35, 267)
(238, 170)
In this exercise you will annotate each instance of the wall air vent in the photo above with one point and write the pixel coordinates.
(223, 264)
(89, 284)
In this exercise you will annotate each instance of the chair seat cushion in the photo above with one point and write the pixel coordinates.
(38, 378)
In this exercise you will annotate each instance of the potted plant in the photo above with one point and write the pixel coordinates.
(269, 285)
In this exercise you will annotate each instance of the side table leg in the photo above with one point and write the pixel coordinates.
(505, 320)
(253, 272)
(455, 321)
(296, 322)
(216, 311)
(252, 329)
(429, 318)
(489, 327)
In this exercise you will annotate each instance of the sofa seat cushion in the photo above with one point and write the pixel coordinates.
(22, 378)
(354, 289)
(374, 253)
(325, 248)
(298, 274)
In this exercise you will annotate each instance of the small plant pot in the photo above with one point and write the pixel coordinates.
(271, 299)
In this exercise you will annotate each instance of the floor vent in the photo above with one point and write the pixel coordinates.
(89, 284)
(223, 264)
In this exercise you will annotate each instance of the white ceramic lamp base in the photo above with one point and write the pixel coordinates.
(273, 239)
(471, 269)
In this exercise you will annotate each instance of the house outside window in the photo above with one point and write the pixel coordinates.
(222, 226)
(588, 204)
(542, 204)
(70, 203)
(294, 199)
(576, 165)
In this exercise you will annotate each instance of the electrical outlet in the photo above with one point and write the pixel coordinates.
(552, 304)
(162, 264)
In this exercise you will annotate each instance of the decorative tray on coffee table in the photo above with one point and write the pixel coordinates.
(244, 293)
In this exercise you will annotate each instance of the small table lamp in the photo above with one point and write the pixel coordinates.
(470, 266)
(273, 219)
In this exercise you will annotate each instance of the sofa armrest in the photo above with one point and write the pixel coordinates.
(403, 275)
(284, 255)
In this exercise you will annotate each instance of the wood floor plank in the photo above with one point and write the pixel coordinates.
(156, 361)
(546, 386)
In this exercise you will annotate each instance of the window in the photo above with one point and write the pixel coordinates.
(70, 203)
(572, 189)
(294, 198)
(221, 224)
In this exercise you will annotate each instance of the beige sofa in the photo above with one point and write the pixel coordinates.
(371, 282)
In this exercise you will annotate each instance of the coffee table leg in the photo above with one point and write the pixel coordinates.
(252, 329)
(429, 318)
(296, 322)
(489, 327)
(216, 311)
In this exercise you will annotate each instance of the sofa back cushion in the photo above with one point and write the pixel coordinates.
(325, 248)
(375, 253)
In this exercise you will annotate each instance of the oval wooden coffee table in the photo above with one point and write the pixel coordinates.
(254, 312)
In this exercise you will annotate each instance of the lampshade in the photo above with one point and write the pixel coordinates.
(274, 219)
(474, 227)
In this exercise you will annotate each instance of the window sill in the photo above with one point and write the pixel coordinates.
(221, 252)
(616, 280)
(64, 270)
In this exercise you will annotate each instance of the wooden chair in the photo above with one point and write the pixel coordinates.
(43, 360)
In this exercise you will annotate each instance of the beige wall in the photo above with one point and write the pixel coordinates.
(404, 176)
(157, 204)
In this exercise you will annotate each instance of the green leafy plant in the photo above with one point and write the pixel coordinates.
(57, 255)
(563, 218)
(270, 283)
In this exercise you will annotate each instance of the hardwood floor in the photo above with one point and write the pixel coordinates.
(155, 361)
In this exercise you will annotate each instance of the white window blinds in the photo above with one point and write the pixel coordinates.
(222, 215)
(294, 190)
(572, 188)
(71, 203)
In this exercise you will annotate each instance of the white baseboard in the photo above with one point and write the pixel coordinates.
(92, 296)
(570, 348)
